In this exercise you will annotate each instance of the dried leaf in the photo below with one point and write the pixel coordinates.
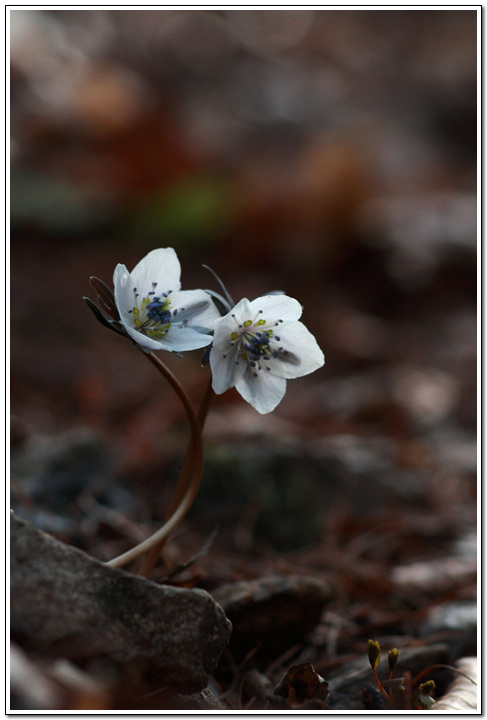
(300, 684)
(462, 695)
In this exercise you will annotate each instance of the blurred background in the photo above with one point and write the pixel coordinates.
(327, 153)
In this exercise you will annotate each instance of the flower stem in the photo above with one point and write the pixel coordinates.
(185, 472)
(380, 686)
(205, 404)
(188, 482)
(183, 482)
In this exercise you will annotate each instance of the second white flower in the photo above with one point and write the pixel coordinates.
(258, 346)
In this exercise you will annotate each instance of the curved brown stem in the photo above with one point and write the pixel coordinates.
(380, 686)
(191, 474)
(184, 477)
(205, 405)
(427, 670)
(183, 481)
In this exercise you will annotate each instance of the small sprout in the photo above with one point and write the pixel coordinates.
(373, 651)
(392, 657)
(394, 684)
(426, 690)
(425, 702)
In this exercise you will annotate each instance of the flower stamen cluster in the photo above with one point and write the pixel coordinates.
(255, 345)
(155, 312)
(153, 316)
(256, 350)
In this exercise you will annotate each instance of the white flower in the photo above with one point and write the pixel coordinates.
(260, 344)
(155, 312)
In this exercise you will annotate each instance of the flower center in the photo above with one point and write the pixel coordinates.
(255, 345)
(153, 316)
(158, 311)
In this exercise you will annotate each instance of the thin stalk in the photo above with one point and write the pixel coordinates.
(380, 686)
(205, 405)
(183, 481)
(439, 665)
(192, 474)
(185, 472)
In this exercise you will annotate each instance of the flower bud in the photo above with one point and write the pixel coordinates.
(392, 657)
(427, 688)
(425, 702)
(373, 651)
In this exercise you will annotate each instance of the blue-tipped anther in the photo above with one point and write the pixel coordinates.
(155, 311)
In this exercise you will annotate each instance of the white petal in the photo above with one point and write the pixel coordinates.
(226, 325)
(276, 307)
(306, 355)
(263, 390)
(241, 312)
(199, 309)
(123, 289)
(182, 339)
(144, 341)
(223, 329)
(161, 266)
(226, 368)
(175, 340)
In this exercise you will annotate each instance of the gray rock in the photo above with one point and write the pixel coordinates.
(30, 688)
(275, 612)
(67, 604)
(458, 615)
(454, 623)
(282, 491)
(55, 469)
